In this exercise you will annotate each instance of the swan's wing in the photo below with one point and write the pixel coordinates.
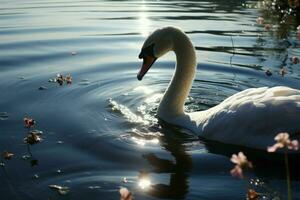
(253, 117)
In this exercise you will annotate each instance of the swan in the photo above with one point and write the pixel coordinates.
(250, 118)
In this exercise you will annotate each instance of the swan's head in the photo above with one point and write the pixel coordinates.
(156, 45)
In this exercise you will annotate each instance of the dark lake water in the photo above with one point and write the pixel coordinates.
(102, 127)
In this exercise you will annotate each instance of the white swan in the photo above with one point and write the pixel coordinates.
(249, 118)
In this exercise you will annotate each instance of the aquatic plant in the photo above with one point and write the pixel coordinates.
(32, 138)
(242, 164)
(280, 19)
(280, 14)
(283, 142)
(60, 79)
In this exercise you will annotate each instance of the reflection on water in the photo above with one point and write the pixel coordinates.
(143, 181)
(145, 23)
(103, 126)
(179, 170)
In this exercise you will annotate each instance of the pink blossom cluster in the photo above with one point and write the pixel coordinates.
(241, 162)
(295, 60)
(283, 141)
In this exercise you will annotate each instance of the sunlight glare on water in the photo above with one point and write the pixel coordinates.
(144, 183)
(144, 22)
(103, 126)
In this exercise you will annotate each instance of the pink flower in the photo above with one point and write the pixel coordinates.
(240, 159)
(69, 79)
(125, 194)
(275, 147)
(283, 141)
(282, 138)
(295, 60)
(241, 163)
(237, 172)
(29, 122)
(293, 145)
(260, 20)
(298, 32)
(268, 27)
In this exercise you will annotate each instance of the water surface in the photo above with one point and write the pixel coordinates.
(102, 127)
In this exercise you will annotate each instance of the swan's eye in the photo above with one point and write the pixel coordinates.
(147, 51)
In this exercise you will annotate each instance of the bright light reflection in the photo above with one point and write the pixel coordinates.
(143, 20)
(144, 183)
(154, 141)
(139, 141)
(143, 89)
(143, 142)
(154, 98)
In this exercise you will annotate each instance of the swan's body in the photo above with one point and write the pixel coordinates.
(250, 118)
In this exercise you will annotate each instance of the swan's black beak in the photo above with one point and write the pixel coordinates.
(147, 54)
(147, 63)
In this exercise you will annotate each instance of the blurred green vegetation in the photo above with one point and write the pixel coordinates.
(282, 15)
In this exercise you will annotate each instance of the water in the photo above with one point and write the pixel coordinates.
(102, 127)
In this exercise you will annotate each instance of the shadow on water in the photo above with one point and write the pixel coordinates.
(261, 159)
(179, 170)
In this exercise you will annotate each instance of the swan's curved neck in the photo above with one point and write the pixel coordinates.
(172, 103)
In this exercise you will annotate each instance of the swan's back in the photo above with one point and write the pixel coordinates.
(252, 117)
